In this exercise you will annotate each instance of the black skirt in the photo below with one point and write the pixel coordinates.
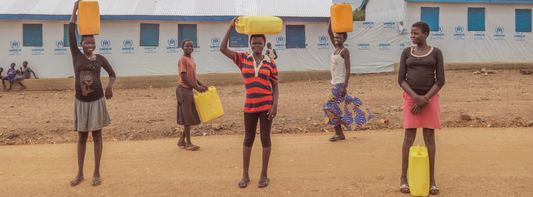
(187, 113)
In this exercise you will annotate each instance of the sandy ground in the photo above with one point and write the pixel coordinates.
(501, 100)
(470, 162)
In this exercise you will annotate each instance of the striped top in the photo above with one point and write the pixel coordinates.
(257, 81)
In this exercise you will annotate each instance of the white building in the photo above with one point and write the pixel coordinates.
(465, 30)
(143, 37)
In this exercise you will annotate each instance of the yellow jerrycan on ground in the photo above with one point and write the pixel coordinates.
(418, 171)
(341, 18)
(208, 105)
(88, 18)
(251, 25)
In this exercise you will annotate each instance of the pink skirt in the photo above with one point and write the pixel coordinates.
(428, 118)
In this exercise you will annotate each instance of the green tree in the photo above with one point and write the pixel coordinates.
(358, 14)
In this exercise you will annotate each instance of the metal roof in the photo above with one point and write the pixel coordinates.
(282, 8)
(363, 4)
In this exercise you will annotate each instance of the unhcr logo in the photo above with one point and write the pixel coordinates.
(59, 44)
(106, 49)
(368, 24)
(364, 46)
(389, 25)
(459, 33)
(439, 35)
(14, 46)
(519, 36)
(60, 50)
(128, 46)
(172, 42)
(215, 44)
(499, 35)
(385, 46)
(128, 43)
(280, 40)
(322, 42)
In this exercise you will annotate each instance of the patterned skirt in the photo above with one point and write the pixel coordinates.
(348, 111)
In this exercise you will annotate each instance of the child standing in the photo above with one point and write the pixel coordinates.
(261, 81)
(187, 113)
(340, 108)
(271, 52)
(90, 111)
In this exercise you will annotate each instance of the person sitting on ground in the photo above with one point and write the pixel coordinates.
(11, 74)
(26, 74)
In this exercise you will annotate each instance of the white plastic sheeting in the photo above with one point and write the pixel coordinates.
(289, 8)
(498, 43)
(384, 10)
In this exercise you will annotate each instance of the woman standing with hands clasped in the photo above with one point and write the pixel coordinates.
(421, 77)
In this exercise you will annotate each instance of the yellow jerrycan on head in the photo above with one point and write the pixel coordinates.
(341, 18)
(418, 171)
(88, 18)
(208, 105)
(251, 25)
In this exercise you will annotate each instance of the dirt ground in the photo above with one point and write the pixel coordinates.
(476, 162)
(503, 99)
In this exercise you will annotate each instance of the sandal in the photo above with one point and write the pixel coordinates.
(192, 148)
(76, 181)
(243, 184)
(97, 182)
(434, 190)
(335, 138)
(264, 183)
(405, 189)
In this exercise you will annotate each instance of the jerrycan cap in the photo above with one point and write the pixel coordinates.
(419, 152)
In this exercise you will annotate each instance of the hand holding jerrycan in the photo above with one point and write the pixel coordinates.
(88, 18)
(208, 105)
(341, 18)
(418, 171)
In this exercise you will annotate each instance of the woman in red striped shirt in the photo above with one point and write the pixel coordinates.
(260, 76)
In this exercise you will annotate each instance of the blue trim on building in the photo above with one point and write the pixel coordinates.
(363, 4)
(154, 18)
(475, 1)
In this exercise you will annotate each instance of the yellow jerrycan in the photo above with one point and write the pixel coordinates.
(208, 105)
(418, 171)
(341, 18)
(251, 25)
(88, 18)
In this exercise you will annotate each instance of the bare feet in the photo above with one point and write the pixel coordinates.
(77, 180)
(97, 180)
(23, 87)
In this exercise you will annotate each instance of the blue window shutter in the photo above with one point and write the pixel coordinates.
(238, 40)
(187, 31)
(66, 41)
(431, 17)
(295, 36)
(523, 20)
(476, 19)
(149, 34)
(32, 35)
